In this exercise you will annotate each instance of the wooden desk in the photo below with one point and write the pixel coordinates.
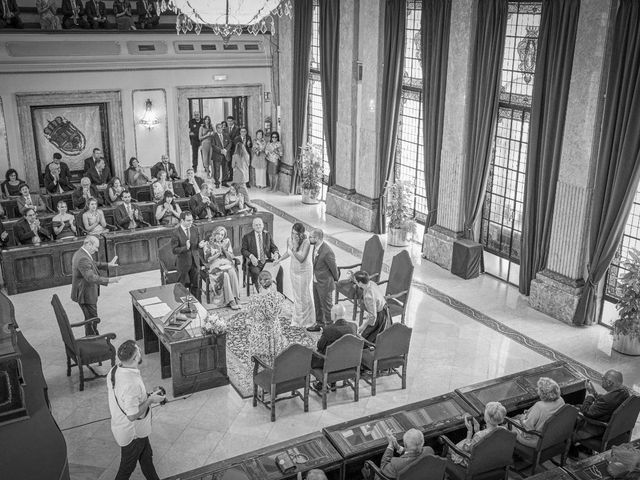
(557, 473)
(194, 361)
(10, 206)
(594, 467)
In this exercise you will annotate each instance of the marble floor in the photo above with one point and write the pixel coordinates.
(459, 338)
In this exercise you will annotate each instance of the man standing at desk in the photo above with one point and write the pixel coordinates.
(185, 243)
(86, 281)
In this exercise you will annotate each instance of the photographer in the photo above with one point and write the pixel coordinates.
(130, 407)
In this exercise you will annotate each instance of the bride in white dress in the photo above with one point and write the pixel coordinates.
(301, 275)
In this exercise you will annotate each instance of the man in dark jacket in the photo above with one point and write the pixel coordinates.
(167, 166)
(203, 206)
(185, 245)
(10, 15)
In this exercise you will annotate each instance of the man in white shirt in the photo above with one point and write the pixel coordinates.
(130, 407)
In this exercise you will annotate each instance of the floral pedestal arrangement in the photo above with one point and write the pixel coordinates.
(310, 167)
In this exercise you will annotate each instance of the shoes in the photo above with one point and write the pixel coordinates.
(314, 328)
(234, 306)
(217, 185)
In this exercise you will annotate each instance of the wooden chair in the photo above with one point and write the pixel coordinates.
(341, 362)
(427, 467)
(388, 353)
(553, 439)
(398, 284)
(168, 270)
(289, 373)
(83, 351)
(617, 430)
(489, 459)
(371, 262)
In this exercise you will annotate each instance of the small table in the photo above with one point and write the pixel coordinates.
(193, 360)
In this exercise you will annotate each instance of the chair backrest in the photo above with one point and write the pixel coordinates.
(393, 342)
(559, 427)
(427, 467)
(294, 362)
(493, 452)
(400, 275)
(372, 256)
(63, 323)
(166, 256)
(346, 352)
(623, 418)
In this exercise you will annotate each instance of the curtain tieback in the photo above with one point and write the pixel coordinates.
(589, 279)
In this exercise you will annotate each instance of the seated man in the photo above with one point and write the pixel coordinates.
(10, 15)
(83, 193)
(192, 184)
(73, 15)
(54, 181)
(147, 15)
(258, 249)
(127, 215)
(28, 230)
(316, 474)
(99, 174)
(95, 156)
(29, 200)
(202, 205)
(164, 164)
(413, 449)
(64, 168)
(96, 16)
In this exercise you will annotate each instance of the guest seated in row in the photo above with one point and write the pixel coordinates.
(234, 202)
(30, 200)
(122, 12)
(535, 417)
(134, 176)
(164, 164)
(11, 185)
(165, 182)
(10, 15)
(29, 231)
(73, 14)
(147, 15)
(99, 174)
(157, 192)
(65, 173)
(219, 258)
(127, 214)
(96, 14)
(374, 307)
(83, 193)
(63, 223)
(258, 249)
(90, 162)
(192, 184)
(47, 11)
(167, 211)
(115, 189)
(93, 219)
(203, 206)
(54, 181)
(494, 415)
(413, 449)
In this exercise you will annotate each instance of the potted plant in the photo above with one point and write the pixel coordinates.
(310, 168)
(399, 211)
(626, 329)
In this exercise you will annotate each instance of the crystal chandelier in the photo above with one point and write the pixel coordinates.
(226, 17)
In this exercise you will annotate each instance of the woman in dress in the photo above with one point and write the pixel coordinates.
(218, 255)
(114, 191)
(163, 180)
(134, 175)
(93, 219)
(301, 275)
(494, 415)
(374, 307)
(64, 224)
(234, 201)
(122, 12)
(535, 417)
(11, 185)
(273, 152)
(168, 212)
(240, 164)
(259, 161)
(206, 143)
(47, 10)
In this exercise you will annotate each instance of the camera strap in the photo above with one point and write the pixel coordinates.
(112, 376)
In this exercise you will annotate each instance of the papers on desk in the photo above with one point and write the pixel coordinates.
(149, 301)
(157, 309)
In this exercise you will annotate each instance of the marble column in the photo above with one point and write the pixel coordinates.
(556, 290)
(438, 240)
(285, 88)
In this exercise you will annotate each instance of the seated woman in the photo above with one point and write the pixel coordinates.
(234, 202)
(64, 224)
(165, 182)
(535, 418)
(93, 219)
(114, 191)
(11, 185)
(374, 306)
(29, 200)
(494, 415)
(218, 255)
(168, 212)
(134, 176)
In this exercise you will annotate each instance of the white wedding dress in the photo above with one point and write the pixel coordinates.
(301, 276)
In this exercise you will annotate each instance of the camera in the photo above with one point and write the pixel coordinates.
(161, 391)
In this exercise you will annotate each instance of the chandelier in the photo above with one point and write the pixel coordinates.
(226, 17)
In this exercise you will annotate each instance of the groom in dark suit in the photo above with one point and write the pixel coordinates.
(257, 249)
(185, 244)
(325, 275)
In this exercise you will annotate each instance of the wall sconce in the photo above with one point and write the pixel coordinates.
(148, 120)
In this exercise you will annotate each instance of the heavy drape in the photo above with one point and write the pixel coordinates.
(487, 54)
(436, 20)
(558, 27)
(329, 55)
(618, 168)
(395, 18)
(302, 16)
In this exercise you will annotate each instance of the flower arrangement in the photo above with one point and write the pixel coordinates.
(214, 325)
(629, 304)
(310, 167)
(399, 206)
(265, 330)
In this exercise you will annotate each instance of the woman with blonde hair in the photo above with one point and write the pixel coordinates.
(494, 415)
(535, 418)
(219, 258)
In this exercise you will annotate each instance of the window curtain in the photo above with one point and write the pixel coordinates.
(329, 55)
(558, 28)
(302, 17)
(486, 66)
(395, 19)
(618, 168)
(435, 24)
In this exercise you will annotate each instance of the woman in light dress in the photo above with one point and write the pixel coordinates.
(301, 275)
(218, 254)
(93, 219)
(206, 143)
(240, 164)
(64, 225)
(47, 10)
(259, 160)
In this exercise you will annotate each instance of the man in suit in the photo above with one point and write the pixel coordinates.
(413, 449)
(234, 132)
(95, 156)
(29, 231)
(257, 249)
(192, 183)
(167, 166)
(202, 204)
(325, 275)
(194, 137)
(64, 168)
(127, 215)
(83, 193)
(185, 242)
(99, 174)
(332, 331)
(10, 14)
(4, 237)
(220, 155)
(86, 281)
(147, 15)
(73, 14)
(55, 181)
(96, 17)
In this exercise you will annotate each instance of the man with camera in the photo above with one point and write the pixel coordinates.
(130, 407)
